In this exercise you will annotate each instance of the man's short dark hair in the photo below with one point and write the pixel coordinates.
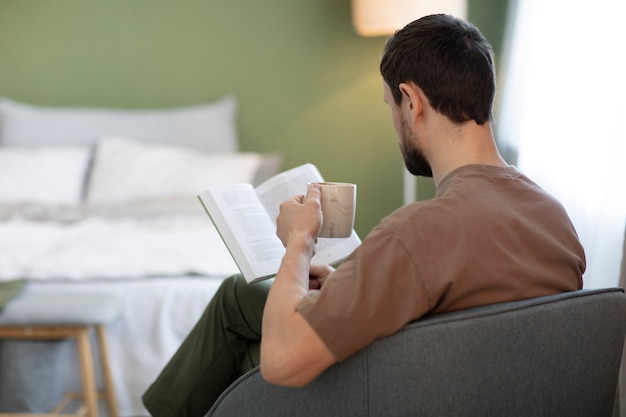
(450, 60)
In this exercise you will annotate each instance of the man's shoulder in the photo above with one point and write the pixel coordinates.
(413, 217)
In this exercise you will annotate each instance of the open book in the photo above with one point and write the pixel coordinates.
(245, 217)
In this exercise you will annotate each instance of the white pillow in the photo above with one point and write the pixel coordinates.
(126, 170)
(209, 127)
(43, 175)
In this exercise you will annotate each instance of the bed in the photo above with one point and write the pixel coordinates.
(105, 200)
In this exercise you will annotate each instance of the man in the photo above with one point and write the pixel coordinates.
(489, 235)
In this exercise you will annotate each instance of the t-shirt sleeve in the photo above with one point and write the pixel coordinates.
(373, 293)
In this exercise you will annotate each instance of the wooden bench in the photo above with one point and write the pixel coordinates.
(56, 316)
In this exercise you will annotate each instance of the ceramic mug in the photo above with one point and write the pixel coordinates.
(338, 200)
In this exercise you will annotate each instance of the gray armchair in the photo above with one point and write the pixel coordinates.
(550, 356)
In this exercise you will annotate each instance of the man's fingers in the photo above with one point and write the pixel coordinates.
(314, 190)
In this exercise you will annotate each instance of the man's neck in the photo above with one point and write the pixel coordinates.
(468, 144)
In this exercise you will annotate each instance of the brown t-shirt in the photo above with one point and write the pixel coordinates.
(489, 235)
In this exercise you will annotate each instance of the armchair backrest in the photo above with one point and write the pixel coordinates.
(549, 356)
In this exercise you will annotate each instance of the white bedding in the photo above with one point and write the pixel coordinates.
(97, 248)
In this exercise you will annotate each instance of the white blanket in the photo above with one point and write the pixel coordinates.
(100, 247)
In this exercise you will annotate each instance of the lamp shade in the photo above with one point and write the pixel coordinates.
(384, 17)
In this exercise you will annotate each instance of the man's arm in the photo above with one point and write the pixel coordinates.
(291, 352)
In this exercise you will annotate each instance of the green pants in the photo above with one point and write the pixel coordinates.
(222, 346)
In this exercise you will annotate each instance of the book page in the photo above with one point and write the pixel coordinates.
(247, 230)
(329, 251)
(286, 185)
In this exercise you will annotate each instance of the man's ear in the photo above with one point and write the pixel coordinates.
(412, 99)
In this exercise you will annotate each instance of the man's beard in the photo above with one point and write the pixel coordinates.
(413, 155)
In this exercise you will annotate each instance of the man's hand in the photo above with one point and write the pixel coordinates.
(318, 274)
(300, 217)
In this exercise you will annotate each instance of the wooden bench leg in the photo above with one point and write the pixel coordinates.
(109, 389)
(87, 372)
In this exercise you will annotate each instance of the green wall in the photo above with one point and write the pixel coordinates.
(307, 85)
